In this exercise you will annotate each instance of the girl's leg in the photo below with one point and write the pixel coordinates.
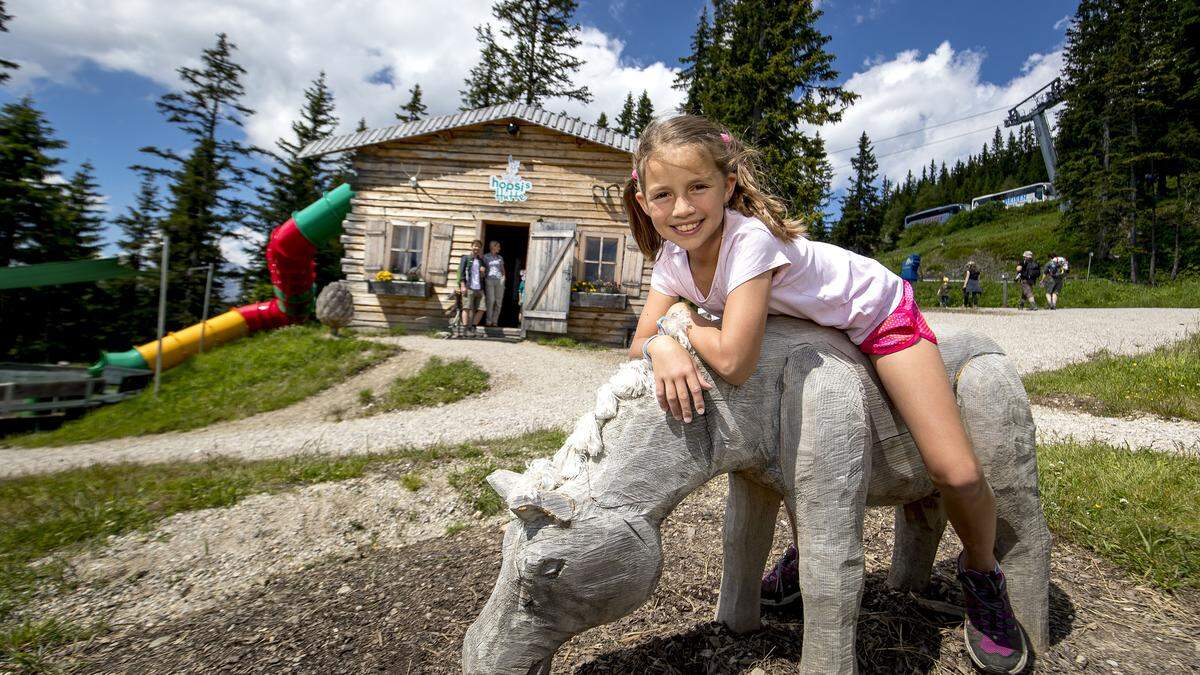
(916, 382)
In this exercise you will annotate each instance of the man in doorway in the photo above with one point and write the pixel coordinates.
(1028, 273)
(470, 285)
(493, 283)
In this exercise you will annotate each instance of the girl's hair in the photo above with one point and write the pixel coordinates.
(971, 266)
(750, 194)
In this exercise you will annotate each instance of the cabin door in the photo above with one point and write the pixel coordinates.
(548, 276)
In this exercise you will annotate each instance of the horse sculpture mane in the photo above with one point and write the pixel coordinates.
(811, 429)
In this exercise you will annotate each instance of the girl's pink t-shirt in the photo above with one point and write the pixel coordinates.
(812, 280)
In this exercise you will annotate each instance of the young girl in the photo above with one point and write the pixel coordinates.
(698, 208)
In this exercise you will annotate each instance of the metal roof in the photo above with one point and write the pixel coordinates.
(528, 113)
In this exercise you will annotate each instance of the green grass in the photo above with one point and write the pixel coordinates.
(1139, 510)
(412, 482)
(438, 382)
(24, 646)
(57, 514)
(263, 372)
(567, 342)
(1164, 382)
(1076, 293)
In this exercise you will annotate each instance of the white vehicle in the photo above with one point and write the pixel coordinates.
(1027, 194)
(938, 214)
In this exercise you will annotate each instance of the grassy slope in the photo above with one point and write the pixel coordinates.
(260, 373)
(997, 247)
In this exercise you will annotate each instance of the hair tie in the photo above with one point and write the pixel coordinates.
(634, 174)
(725, 137)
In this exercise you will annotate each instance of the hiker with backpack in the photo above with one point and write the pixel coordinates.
(1056, 270)
(1028, 273)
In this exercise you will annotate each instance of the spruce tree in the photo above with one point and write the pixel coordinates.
(414, 109)
(697, 67)
(627, 118)
(487, 84)
(140, 245)
(644, 114)
(822, 172)
(29, 202)
(82, 217)
(602, 121)
(859, 227)
(296, 182)
(204, 183)
(773, 75)
(5, 65)
(540, 64)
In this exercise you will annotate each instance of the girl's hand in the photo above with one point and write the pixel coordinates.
(677, 384)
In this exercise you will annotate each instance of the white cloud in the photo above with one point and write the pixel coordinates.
(235, 247)
(1063, 22)
(283, 44)
(911, 91)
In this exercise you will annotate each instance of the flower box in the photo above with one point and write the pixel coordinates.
(599, 300)
(414, 289)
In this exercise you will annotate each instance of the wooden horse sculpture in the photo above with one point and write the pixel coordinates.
(810, 429)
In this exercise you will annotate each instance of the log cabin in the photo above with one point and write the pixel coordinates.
(546, 186)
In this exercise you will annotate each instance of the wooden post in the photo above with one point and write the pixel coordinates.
(162, 308)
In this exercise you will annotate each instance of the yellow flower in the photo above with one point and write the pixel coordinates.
(383, 275)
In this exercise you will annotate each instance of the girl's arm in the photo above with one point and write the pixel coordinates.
(677, 384)
(732, 349)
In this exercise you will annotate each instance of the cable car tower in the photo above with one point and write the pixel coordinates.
(1041, 101)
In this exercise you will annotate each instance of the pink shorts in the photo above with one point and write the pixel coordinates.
(901, 330)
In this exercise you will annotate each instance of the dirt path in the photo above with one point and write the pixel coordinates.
(405, 610)
(535, 387)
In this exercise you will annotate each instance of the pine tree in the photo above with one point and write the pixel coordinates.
(697, 67)
(414, 109)
(644, 114)
(602, 121)
(29, 202)
(140, 246)
(822, 171)
(81, 215)
(540, 63)
(859, 227)
(204, 184)
(627, 119)
(5, 65)
(487, 84)
(296, 182)
(764, 54)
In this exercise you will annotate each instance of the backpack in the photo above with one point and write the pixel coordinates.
(1054, 269)
(1031, 271)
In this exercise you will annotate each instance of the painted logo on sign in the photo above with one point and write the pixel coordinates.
(511, 187)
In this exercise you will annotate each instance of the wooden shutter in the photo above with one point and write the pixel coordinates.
(631, 268)
(437, 257)
(548, 276)
(375, 253)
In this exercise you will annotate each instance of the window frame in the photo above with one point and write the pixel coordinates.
(422, 250)
(581, 260)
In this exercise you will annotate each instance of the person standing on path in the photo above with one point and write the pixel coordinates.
(971, 289)
(944, 292)
(493, 283)
(1028, 273)
(470, 285)
(1056, 269)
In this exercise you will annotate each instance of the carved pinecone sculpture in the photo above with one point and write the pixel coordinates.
(335, 306)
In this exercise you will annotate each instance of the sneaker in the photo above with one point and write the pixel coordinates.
(781, 584)
(994, 639)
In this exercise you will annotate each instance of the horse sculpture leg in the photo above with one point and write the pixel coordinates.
(824, 422)
(750, 512)
(999, 423)
(919, 528)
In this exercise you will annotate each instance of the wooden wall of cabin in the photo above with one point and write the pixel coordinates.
(570, 180)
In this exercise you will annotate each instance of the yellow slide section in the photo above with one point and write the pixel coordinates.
(178, 347)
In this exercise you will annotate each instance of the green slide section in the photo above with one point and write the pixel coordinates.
(321, 221)
(129, 359)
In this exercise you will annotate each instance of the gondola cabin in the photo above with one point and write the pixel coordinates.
(547, 187)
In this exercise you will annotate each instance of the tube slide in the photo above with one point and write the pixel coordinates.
(290, 258)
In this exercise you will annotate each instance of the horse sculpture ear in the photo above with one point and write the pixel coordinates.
(542, 504)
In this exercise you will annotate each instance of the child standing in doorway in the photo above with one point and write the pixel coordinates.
(698, 208)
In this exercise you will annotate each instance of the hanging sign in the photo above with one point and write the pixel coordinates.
(511, 187)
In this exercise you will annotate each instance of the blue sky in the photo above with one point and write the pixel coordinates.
(915, 63)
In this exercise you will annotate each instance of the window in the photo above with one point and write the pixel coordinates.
(406, 244)
(600, 259)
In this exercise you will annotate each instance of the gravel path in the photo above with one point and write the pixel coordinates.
(535, 387)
